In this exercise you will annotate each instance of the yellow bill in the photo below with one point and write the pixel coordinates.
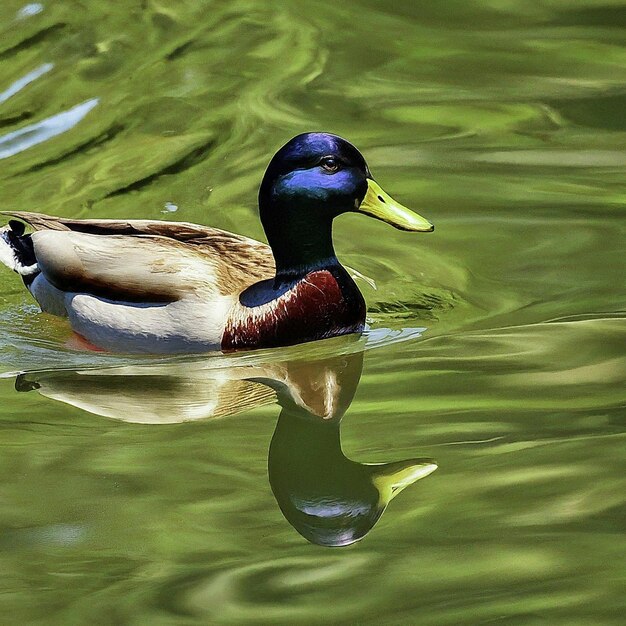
(391, 478)
(379, 204)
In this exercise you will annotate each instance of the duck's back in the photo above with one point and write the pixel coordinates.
(139, 285)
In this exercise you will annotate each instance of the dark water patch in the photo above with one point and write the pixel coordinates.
(605, 111)
(424, 305)
(180, 50)
(15, 119)
(40, 36)
(189, 160)
(609, 15)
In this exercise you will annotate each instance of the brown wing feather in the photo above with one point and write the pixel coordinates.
(236, 261)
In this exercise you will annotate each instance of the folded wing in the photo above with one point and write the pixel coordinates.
(144, 261)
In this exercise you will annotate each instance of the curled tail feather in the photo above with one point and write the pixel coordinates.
(16, 250)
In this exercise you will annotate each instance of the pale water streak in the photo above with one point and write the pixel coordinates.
(28, 78)
(17, 141)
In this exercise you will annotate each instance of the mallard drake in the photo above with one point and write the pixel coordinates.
(136, 286)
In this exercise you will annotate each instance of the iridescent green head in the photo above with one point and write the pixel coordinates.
(311, 180)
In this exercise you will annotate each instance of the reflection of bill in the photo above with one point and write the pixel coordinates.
(329, 499)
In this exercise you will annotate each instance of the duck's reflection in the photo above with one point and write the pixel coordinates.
(328, 498)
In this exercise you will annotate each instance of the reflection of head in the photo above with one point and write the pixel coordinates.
(329, 499)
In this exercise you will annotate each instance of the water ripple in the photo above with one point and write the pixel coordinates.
(19, 140)
(280, 588)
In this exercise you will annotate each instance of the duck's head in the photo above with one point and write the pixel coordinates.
(311, 180)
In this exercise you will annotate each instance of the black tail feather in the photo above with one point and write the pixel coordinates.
(21, 249)
(18, 228)
(22, 244)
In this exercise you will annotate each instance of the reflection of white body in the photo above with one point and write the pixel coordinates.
(211, 387)
(327, 497)
(150, 399)
(167, 394)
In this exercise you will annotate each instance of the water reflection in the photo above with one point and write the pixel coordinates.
(327, 497)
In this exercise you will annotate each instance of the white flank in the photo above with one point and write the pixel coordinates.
(188, 325)
(26, 270)
(50, 299)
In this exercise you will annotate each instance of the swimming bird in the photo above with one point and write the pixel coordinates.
(141, 286)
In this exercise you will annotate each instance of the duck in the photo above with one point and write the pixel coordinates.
(158, 287)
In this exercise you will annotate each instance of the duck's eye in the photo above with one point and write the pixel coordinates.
(330, 164)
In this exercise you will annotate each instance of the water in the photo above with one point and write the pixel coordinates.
(503, 123)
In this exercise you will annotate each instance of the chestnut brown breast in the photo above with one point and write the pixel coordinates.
(324, 303)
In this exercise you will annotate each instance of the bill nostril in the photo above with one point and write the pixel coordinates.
(381, 199)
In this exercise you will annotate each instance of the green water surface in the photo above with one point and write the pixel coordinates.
(146, 491)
